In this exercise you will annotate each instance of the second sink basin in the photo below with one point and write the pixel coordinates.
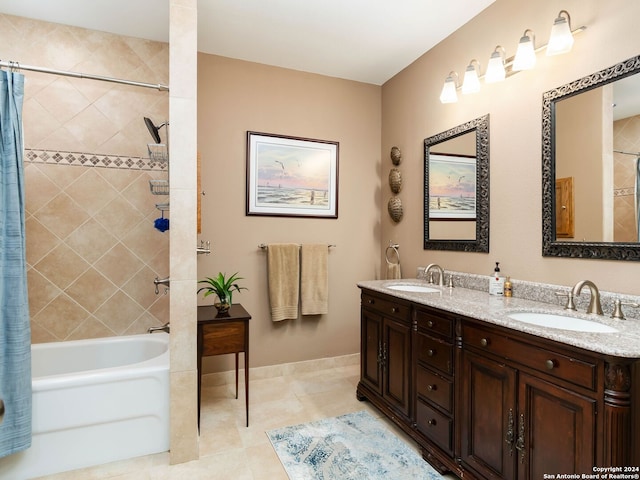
(413, 288)
(563, 322)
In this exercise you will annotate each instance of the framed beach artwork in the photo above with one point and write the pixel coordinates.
(291, 176)
(452, 187)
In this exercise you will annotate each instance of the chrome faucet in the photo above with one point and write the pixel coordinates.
(159, 281)
(429, 275)
(594, 303)
(163, 328)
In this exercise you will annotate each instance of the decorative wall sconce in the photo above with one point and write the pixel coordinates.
(499, 67)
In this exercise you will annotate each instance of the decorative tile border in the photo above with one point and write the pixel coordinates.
(623, 192)
(54, 157)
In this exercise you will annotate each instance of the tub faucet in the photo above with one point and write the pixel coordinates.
(594, 303)
(159, 281)
(163, 328)
(429, 275)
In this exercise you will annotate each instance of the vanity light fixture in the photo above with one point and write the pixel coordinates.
(449, 94)
(471, 82)
(526, 52)
(499, 66)
(561, 38)
(495, 67)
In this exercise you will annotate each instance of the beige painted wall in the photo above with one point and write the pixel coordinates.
(235, 97)
(579, 152)
(412, 112)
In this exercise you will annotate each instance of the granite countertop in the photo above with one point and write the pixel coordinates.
(495, 310)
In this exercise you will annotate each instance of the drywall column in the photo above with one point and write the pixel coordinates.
(182, 257)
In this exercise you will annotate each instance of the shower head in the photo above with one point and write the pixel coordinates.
(153, 130)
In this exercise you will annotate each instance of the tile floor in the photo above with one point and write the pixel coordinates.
(231, 451)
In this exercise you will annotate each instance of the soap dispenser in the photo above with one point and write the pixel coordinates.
(496, 281)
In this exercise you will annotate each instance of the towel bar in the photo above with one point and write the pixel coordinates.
(264, 246)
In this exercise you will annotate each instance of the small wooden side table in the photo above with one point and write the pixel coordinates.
(220, 335)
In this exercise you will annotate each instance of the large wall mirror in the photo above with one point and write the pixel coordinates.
(456, 188)
(590, 165)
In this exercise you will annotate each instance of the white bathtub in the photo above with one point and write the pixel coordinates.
(95, 401)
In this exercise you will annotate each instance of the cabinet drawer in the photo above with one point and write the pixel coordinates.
(434, 388)
(387, 307)
(435, 426)
(431, 322)
(435, 353)
(223, 338)
(554, 362)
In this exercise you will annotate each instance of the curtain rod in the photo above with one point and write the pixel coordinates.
(634, 154)
(18, 66)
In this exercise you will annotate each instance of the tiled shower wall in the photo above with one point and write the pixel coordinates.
(92, 249)
(626, 137)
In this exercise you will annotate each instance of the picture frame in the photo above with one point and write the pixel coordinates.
(291, 176)
(452, 187)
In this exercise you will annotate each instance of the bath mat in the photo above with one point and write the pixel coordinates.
(354, 446)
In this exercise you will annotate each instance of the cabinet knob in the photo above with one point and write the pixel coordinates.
(431, 352)
(484, 342)
(371, 301)
(432, 422)
(551, 364)
(394, 309)
(432, 388)
(430, 323)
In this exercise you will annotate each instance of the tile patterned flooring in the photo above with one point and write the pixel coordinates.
(231, 451)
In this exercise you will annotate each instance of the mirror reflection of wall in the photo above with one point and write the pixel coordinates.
(626, 156)
(597, 145)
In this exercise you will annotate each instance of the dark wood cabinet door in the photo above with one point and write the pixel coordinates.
(371, 350)
(558, 433)
(397, 364)
(488, 417)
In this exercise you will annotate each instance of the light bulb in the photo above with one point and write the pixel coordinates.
(561, 38)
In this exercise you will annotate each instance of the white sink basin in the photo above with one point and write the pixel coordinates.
(551, 320)
(413, 288)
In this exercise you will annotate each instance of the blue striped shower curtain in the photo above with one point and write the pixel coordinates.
(15, 331)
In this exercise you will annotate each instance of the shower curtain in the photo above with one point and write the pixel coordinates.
(15, 331)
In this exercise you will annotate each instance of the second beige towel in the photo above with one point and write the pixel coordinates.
(283, 263)
(314, 279)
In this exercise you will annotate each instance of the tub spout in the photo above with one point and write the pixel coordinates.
(163, 328)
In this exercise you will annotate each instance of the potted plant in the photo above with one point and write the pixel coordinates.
(223, 288)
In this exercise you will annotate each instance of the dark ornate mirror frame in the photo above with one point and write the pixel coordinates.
(550, 246)
(481, 243)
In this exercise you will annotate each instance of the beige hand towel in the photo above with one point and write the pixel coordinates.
(393, 271)
(314, 279)
(283, 262)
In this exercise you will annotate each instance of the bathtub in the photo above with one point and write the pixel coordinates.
(95, 401)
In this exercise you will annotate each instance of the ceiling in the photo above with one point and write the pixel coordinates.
(363, 40)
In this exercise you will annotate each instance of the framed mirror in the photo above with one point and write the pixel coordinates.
(456, 188)
(590, 165)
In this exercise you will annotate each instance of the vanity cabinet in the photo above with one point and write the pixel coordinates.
(386, 353)
(525, 410)
(488, 402)
(433, 354)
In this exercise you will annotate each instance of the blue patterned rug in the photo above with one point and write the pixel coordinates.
(355, 446)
